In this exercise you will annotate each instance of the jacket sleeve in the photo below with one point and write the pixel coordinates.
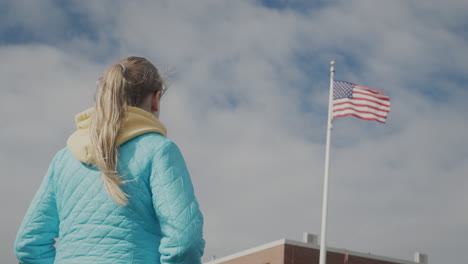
(35, 238)
(177, 209)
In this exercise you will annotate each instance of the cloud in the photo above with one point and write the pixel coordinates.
(248, 109)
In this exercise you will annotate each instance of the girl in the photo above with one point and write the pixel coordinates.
(120, 191)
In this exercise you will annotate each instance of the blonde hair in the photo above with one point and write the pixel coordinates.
(124, 84)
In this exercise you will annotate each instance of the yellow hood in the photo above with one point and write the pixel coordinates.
(137, 122)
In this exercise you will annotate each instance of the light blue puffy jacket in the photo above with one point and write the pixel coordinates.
(161, 224)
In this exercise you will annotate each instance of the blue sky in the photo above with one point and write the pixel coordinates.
(247, 106)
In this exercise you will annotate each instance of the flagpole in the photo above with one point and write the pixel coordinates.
(323, 235)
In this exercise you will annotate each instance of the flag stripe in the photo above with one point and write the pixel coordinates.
(371, 92)
(361, 117)
(347, 111)
(370, 98)
(372, 106)
(362, 101)
(344, 111)
(362, 111)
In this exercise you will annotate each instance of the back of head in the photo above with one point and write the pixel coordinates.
(126, 83)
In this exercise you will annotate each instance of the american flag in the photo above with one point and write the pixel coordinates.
(351, 99)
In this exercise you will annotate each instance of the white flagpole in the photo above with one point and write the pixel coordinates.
(323, 235)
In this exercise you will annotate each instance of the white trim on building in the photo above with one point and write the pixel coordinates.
(307, 245)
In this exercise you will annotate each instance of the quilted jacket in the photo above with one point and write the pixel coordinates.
(161, 224)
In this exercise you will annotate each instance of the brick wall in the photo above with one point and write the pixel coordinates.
(302, 255)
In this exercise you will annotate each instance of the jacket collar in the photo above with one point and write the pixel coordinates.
(137, 122)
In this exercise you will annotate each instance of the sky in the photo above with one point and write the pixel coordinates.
(247, 105)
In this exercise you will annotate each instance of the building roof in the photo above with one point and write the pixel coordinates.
(307, 245)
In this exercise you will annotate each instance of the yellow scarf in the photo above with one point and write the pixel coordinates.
(137, 122)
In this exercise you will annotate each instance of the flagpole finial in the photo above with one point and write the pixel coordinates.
(332, 64)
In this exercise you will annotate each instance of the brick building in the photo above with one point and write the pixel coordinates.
(286, 251)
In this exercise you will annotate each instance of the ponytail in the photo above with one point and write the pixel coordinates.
(124, 84)
(106, 123)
